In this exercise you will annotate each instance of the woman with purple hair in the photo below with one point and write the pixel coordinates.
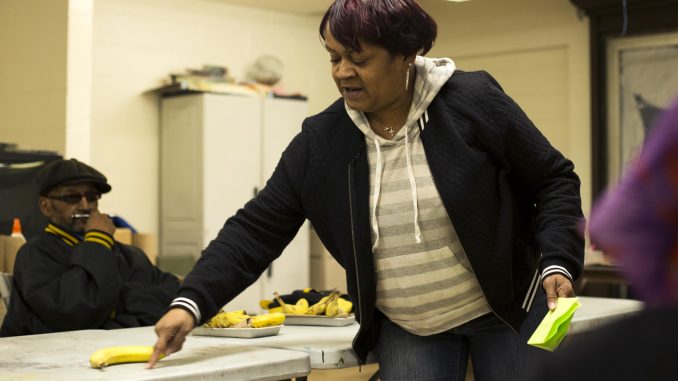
(453, 216)
(636, 222)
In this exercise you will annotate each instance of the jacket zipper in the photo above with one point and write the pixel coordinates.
(355, 254)
(532, 290)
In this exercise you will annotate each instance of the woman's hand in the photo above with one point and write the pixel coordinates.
(557, 286)
(171, 329)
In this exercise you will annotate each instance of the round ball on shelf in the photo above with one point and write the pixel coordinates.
(267, 70)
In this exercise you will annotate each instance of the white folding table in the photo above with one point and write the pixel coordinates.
(293, 352)
(595, 312)
(65, 357)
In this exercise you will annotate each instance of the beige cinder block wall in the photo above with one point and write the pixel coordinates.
(138, 43)
(45, 69)
(538, 51)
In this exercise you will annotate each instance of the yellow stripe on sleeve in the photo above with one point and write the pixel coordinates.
(100, 235)
(99, 241)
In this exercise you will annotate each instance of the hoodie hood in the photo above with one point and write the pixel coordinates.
(431, 75)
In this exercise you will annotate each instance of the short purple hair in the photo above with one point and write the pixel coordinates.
(399, 26)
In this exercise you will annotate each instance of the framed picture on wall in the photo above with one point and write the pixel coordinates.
(642, 82)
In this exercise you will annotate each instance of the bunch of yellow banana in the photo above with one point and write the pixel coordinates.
(332, 305)
(119, 355)
(318, 308)
(265, 303)
(239, 319)
(232, 319)
(299, 308)
(338, 307)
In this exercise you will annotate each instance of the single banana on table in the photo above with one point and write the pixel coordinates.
(120, 355)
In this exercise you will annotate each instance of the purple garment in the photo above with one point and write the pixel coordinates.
(636, 222)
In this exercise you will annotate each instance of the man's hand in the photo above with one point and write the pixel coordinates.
(557, 286)
(98, 221)
(171, 329)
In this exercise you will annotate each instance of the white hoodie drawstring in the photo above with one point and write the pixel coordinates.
(431, 76)
(413, 188)
(377, 192)
(375, 196)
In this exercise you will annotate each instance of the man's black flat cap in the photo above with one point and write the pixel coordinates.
(60, 172)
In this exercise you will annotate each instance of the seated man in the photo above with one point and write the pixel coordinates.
(74, 275)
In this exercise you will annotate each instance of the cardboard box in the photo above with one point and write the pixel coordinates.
(3, 312)
(147, 242)
(123, 235)
(595, 257)
(9, 246)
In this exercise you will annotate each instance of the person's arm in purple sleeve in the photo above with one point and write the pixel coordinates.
(636, 222)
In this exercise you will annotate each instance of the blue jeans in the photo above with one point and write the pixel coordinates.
(497, 352)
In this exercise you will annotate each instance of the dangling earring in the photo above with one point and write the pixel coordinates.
(407, 76)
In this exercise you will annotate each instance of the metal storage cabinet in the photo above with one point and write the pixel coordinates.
(216, 151)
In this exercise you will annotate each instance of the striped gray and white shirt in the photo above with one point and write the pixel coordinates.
(424, 281)
(427, 287)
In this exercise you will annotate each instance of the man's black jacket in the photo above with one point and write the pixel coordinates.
(63, 283)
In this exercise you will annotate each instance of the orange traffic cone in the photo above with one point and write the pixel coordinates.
(16, 229)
